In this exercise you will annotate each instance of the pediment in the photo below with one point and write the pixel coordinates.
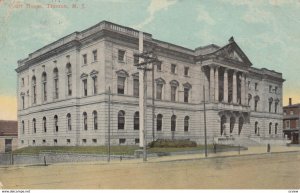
(93, 73)
(83, 76)
(122, 73)
(160, 81)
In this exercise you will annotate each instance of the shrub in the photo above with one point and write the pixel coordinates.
(172, 143)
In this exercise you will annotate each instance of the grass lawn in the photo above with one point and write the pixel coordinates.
(117, 150)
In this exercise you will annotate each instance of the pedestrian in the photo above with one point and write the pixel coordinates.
(269, 148)
(215, 147)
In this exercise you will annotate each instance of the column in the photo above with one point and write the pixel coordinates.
(246, 90)
(217, 84)
(211, 83)
(242, 89)
(225, 86)
(234, 88)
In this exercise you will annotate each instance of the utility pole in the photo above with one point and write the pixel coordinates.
(145, 58)
(205, 137)
(153, 107)
(108, 156)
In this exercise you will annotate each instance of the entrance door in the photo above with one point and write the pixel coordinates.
(8, 145)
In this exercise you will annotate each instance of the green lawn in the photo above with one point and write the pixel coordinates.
(118, 150)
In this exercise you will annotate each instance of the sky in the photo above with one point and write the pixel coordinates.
(268, 31)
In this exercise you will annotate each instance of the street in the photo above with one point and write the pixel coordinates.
(271, 171)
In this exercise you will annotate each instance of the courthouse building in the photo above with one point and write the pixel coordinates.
(63, 96)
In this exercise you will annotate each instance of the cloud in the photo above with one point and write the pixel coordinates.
(154, 7)
(204, 16)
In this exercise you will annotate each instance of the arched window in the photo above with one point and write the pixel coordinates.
(45, 124)
(249, 99)
(159, 88)
(256, 99)
(121, 79)
(186, 123)
(173, 123)
(23, 127)
(121, 120)
(136, 121)
(69, 122)
(136, 84)
(187, 87)
(34, 125)
(69, 79)
(241, 123)
(159, 122)
(55, 123)
(256, 127)
(276, 126)
(44, 86)
(276, 105)
(85, 126)
(56, 83)
(270, 128)
(33, 90)
(95, 119)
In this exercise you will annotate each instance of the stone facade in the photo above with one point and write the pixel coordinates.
(63, 91)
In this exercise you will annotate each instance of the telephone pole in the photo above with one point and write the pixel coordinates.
(145, 58)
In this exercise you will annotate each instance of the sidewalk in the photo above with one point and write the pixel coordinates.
(255, 150)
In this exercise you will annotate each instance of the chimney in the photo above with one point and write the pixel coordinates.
(290, 101)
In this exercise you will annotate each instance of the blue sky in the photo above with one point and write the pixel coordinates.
(268, 31)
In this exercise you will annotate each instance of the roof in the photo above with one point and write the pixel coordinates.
(292, 106)
(8, 128)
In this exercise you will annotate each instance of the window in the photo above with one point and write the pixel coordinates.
(249, 85)
(276, 90)
(173, 68)
(159, 87)
(276, 105)
(84, 83)
(95, 84)
(173, 123)
(270, 89)
(95, 119)
(23, 127)
(276, 126)
(135, 59)
(136, 121)
(33, 90)
(121, 85)
(56, 123)
(270, 104)
(291, 112)
(84, 57)
(173, 93)
(159, 122)
(33, 142)
(270, 128)
(256, 99)
(122, 141)
(68, 141)
(34, 125)
(95, 55)
(85, 126)
(23, 82)
(44, 86)
(23, 102)
(256, 128)
(69, 123)
(186, 71)
(256, 85)
(44, 141)
(84, 141)
(94, 140)
(136, 87)
(249, 99)
(186, 95)
(121, 55)
(69, 79)
(186, 123)
(121, 120)
(158, 66)
(136, 140)
(55, 141)
(287, 124)
(55, 78)
(45, 124)
(22, 141)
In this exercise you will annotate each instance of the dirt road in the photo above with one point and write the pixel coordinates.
(278, 170)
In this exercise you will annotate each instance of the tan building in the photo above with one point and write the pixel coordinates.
(63, 92)
(8, 136)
